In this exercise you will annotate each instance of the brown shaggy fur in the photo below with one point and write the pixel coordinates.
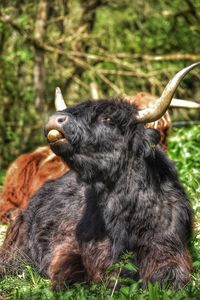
(163, 125)
(70, 260)
(13, 242)
(25, 176)
(31, 170)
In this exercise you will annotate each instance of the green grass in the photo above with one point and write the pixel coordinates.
(2, 173)
(185, 151)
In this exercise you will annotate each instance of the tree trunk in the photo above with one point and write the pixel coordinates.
(39, 69)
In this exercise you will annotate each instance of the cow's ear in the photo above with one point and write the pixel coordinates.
(152, 140)
(153, 136)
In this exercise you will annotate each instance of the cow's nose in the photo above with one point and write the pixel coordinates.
(53, 129)
(56, 121)
(61, 119)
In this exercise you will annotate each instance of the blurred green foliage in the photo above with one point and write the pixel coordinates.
(114, 44)
(185, 150)
(2, 173)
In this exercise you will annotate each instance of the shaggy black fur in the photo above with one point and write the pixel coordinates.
(122, 194)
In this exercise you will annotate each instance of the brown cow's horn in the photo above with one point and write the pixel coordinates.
(156, 111)
(59, 101)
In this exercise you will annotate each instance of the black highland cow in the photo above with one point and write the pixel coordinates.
(122, 193)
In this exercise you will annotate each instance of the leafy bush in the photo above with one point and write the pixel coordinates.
(122, 46)
(184, 148)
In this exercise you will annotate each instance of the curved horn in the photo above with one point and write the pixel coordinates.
(156, 111)
(59, 101)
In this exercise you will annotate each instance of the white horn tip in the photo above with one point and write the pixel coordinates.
(180, 103)
(59, 101)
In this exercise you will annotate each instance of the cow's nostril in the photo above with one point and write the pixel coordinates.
(61, 119)
(55, 122)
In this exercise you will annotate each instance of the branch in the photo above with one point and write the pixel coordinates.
(104, 57)
(176, 56)
(94, 90)
(145, 57)
(193, 9)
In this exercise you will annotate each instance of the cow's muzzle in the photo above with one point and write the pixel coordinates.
(53, 129)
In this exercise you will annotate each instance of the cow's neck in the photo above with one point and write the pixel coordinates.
(117, 201)
(121, 183)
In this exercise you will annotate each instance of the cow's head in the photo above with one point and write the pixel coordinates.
(97, 138)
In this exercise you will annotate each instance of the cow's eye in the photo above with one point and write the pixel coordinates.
(105, 120)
